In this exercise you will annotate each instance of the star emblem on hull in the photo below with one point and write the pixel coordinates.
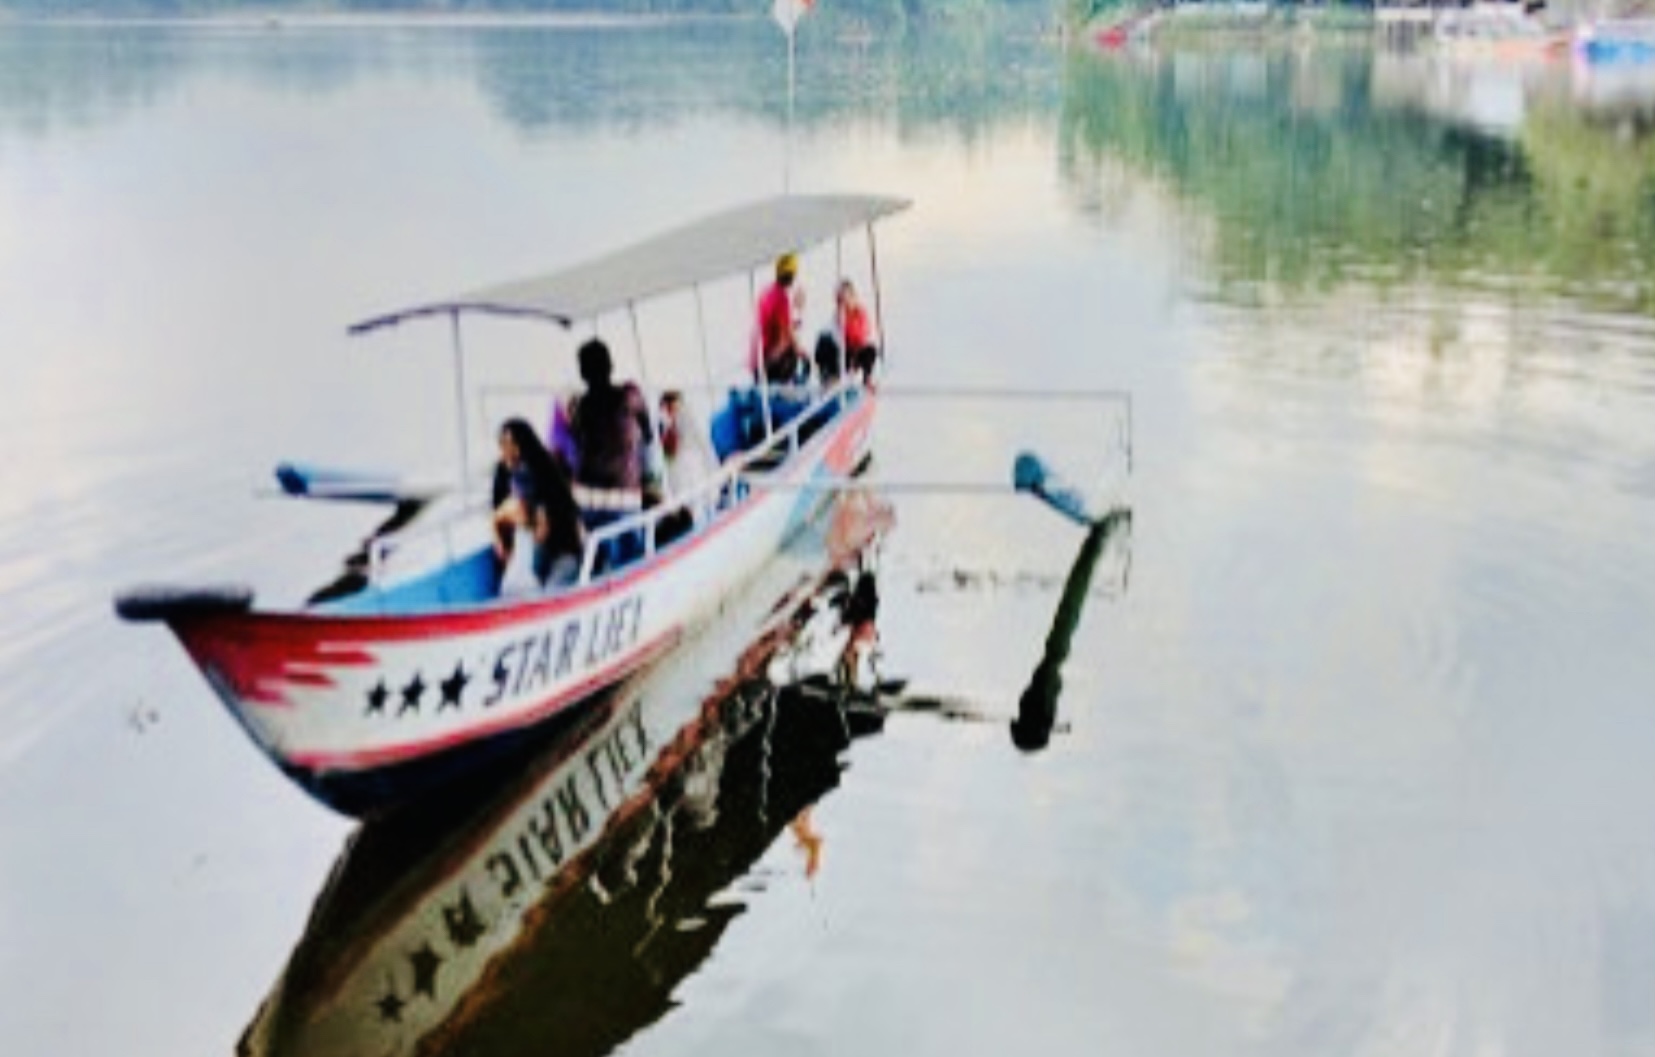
(453, 688)
(411, 695)
(465, 925)
(390, 1008)
(425, 962)
(376, 699)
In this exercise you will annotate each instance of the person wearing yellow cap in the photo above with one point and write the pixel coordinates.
(775, 341)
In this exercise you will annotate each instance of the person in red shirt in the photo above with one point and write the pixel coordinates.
(860, 348)
(851, 342)
(775, 340)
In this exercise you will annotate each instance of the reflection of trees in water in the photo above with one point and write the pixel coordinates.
(1596, 191)
(544, 79)
(54, 77)
(961, 79)
(1308, 181)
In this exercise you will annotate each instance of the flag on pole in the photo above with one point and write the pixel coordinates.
(788, 12)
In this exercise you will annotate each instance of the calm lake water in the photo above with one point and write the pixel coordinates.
(1359, 711)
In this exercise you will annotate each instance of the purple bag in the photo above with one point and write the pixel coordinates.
(562, 438)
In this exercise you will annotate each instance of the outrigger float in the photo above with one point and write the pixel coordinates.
(371, 695)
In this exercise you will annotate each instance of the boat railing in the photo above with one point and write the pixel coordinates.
(438, 536)
(1641, 30)
(498, 401)
(711, 498)
(721, 490)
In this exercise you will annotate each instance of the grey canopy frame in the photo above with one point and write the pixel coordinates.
(721, 245)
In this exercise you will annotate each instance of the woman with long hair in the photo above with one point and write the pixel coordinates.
(532, 493)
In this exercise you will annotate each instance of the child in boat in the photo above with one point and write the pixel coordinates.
(531, 493)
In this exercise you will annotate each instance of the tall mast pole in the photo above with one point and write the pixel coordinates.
(787, 149)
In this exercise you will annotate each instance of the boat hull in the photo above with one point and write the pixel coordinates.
(434, 927)
(366, 712)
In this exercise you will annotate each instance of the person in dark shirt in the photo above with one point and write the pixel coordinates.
(612, 433)
(532, 493)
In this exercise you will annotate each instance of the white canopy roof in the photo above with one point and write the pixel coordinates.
(721, 245)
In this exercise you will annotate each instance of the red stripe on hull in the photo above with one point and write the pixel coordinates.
(256, 667)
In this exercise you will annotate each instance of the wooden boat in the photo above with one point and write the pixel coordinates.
(1134, 27)
(1626, 41)
(1497, 30)
(370, 696)
(555, 905)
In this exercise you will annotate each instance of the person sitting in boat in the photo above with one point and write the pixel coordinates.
(612, 432)
(851, 340)
(851, 319)
(687, 453)
(532, 493)
(775, 351)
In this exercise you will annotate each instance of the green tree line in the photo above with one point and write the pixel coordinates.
(1310, 180)
(859, 9)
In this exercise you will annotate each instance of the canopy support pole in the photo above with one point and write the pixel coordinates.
(638, 343)
(649, 405)
(764, 395)
(701, 325)
(883, 338)
(837, 323)
(459, 405)
(758, 342)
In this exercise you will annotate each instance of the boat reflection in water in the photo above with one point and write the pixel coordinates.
(1036, 718)
(561, 910)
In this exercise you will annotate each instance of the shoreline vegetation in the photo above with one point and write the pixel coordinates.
(495, 12)
(1200, 20)
(288, 18)
(1224, 23)
(858, 22)
(1220, 20)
